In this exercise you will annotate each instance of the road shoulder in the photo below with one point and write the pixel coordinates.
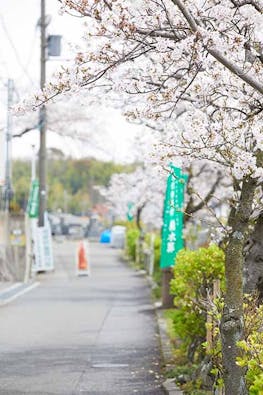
(11, 291)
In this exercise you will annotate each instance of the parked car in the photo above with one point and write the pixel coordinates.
(75, 231)
(55, 225)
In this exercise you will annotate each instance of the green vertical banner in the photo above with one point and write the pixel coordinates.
(129, 214)
(33, 201)
(172, 231)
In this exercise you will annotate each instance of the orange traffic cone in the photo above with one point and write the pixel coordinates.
(82, 260)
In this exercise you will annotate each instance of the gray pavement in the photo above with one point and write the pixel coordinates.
(81, 335)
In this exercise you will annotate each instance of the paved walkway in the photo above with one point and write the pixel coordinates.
(81, 335)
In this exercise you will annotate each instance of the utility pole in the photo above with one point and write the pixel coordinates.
(33, 164)
(8, 189)
(8, 139)
(42, 120)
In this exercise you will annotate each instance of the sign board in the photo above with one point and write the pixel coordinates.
(54, 45)
(172, 231)
(33, 202)
(42, 246)
(18, 238)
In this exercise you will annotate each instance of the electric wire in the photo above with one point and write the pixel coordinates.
(2, 21)
(31, 51)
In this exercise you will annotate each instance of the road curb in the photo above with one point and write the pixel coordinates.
(166, 348)
(11, 293)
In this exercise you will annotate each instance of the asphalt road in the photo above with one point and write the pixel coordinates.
(81, 335)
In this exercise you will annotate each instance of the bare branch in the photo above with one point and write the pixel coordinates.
(191, 208)
(26, 130)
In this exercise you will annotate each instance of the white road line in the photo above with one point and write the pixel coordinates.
(110, 365)
(22, 292)
(16, 285)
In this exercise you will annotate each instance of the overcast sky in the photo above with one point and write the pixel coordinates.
(19, 60)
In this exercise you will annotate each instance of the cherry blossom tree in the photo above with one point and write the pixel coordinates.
(143, 189)
(69, 119)
(207, 57)
(140, 193)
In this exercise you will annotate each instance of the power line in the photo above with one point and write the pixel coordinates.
(14, 49)
(31, 50)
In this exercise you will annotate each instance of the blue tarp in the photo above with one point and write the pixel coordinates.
(105, 236)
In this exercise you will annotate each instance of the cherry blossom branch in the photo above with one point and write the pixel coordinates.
(159, 33)
(231, 66)
(78, 8)
(254, 3)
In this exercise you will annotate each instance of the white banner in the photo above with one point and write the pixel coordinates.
(42, 247)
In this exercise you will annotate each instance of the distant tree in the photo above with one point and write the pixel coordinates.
(70, 182)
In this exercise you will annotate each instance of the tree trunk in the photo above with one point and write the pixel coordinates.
(253, 270)
(167, 298)
(232, 323)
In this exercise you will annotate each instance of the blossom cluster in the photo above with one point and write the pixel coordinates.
(153, 57)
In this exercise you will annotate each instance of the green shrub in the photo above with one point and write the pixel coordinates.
(131, 240)
(252, 346)
(194, 273)
(128, 224)
(157, 273)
